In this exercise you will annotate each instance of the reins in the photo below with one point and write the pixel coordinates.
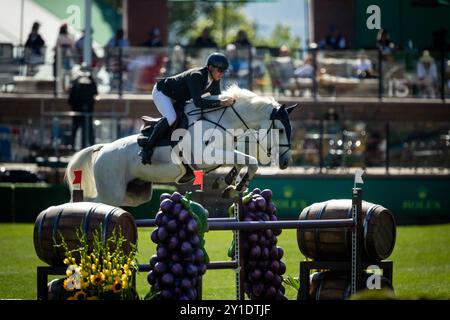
(201, 112)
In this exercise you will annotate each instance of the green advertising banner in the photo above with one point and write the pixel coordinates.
(411, 200)
(404, 19)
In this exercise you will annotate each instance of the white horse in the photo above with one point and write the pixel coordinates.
(113, 173)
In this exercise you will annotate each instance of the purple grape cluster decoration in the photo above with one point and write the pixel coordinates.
(263, 266)
(180, 258)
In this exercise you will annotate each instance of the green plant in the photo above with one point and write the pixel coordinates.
(103, 270)
(292, 282)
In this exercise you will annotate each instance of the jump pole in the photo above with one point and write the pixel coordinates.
(238, 253)
(356, 261)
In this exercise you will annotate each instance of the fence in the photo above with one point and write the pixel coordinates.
(355, 265)
(299, 72)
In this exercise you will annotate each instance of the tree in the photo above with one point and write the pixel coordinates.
(281, 35)
(188, 19)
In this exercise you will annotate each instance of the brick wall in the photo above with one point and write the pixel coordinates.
(331, 12)
(141, 16)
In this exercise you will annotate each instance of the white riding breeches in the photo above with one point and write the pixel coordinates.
(164, 105)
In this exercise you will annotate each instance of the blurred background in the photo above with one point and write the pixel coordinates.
(371, 77)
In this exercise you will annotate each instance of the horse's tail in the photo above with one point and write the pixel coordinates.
(82, 160)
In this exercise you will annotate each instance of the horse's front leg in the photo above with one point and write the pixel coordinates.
(242, 159)
(222, 182)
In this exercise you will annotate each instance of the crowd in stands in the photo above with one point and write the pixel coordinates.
(288, 72)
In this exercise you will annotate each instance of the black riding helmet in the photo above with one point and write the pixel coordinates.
(218, 60)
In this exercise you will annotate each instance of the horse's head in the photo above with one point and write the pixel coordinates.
(280, 121)
(265, 113)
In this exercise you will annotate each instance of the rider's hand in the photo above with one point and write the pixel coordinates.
(227, 102)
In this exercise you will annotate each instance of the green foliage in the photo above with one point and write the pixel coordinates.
(200, 215)
(188, 19)
(281, 35)
(102, 269)
(293, 282)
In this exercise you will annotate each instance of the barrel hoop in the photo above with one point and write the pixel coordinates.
(317, 230)
(40, 227)
(54, 229)
(347, 232)
(302, 234)
(369, 215)
(87, 220)
(106, 222)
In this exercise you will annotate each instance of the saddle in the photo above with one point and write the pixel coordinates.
(149, 122)
(180, 123)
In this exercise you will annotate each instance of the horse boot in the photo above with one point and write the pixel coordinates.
(159, 130)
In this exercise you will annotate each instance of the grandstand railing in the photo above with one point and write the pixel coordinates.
(332, 73)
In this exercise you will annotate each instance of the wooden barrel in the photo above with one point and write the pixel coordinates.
(335, 285)
(334, 244)
(67, 218)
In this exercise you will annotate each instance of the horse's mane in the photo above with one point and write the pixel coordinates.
(248, 97)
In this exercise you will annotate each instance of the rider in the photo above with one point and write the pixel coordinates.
(191, 84)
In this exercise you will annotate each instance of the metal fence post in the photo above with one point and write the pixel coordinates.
(380, 74)
(120, 73)
(314, 55)
(387, 160)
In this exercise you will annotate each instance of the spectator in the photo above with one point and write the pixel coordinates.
(427, 75)
(231, 54)
(285, 63)
(384, 42)
(81, 99)
(154, 38)
(118, 40)
(333, 40)
(34, 49)
(242, 39)
(65, 46)
(35, 41)
(114, 66)
(281, 70)
(331, 115)
(205, 40)
(178, 61)
(79, 45)
(362, 67)
(307, 69)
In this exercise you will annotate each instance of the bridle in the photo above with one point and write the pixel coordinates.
(277, 114)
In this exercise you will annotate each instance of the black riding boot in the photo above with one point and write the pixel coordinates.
(159, 130)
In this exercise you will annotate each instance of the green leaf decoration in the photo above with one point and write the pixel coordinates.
(232, 250)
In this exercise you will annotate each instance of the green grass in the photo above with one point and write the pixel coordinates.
(421, 262)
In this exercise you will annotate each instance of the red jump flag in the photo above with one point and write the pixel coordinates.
(77, 179)
(198, 178)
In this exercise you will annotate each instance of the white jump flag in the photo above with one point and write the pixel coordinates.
(358, 176)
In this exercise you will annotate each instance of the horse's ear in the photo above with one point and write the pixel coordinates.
(289, 109)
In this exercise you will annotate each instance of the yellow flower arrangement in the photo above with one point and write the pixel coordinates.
(102, 270)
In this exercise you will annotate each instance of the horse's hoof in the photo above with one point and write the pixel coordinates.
(231, 176)
(228, 192)
(241, 187)
(219, 183)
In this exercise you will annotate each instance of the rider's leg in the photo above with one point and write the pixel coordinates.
(165, 107)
